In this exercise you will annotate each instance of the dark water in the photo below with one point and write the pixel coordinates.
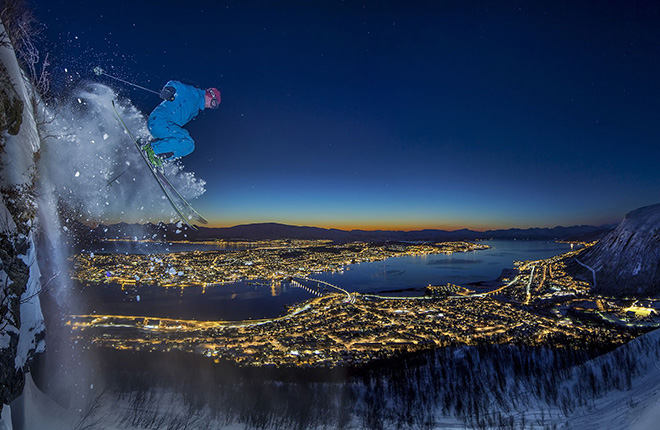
(236, 301)
(460, 268)
(253, 300)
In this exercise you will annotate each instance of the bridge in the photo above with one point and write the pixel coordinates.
(306, 288)
(350, 298)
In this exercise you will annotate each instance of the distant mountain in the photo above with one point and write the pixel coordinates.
(627, 260)
(265, 231)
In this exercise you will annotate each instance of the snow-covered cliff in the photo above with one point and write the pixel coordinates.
(21, 320)
(627, 260)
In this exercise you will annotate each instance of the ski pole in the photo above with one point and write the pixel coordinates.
(99, 71)
(115, 178)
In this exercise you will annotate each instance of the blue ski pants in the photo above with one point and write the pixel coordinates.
(169, 137)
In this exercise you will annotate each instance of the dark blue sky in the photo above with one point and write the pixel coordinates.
(396, 114)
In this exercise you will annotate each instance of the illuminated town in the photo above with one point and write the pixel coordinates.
(540, 304)
(267, 260)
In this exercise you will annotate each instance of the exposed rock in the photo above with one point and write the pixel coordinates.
(11, 106)
(21, 321)
(627, 260)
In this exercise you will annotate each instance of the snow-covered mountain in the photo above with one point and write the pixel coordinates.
(627, 260)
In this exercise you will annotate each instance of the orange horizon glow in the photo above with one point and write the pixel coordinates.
(346, 226)
(474, 224)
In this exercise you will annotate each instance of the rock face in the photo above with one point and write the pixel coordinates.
(627, 260)
(11, 106)
(21, 320)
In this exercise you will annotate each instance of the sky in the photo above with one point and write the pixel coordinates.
(393, 114)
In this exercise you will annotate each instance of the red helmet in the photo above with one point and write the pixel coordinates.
(214, 94)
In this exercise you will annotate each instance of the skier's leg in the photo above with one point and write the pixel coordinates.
(169, 138)
(178, 144)
(185, 144)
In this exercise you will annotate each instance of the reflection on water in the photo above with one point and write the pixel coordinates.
(236, 301)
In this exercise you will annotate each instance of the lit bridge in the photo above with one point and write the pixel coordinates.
(349, 297)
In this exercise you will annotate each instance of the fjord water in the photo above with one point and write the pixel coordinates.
(255, 300)
(461, 268)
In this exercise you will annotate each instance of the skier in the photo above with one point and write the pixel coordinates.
(181, 103)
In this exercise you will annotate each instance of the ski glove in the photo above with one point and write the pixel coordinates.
(168, 93)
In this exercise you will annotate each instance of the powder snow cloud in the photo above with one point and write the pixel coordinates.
(93, 167)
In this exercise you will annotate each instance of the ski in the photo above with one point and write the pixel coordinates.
(187, 205)
(170, 192)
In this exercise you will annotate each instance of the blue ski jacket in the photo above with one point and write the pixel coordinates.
(167, 119)
(188, 102)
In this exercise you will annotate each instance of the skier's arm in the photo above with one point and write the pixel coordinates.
(167, 93)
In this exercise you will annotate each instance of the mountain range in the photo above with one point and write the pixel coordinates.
(265, 231)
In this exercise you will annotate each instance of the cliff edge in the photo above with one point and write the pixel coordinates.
(21, 320)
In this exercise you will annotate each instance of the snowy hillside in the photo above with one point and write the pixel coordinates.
(469, 388)
(636, 403)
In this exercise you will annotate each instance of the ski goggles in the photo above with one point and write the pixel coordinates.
(215, 102)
